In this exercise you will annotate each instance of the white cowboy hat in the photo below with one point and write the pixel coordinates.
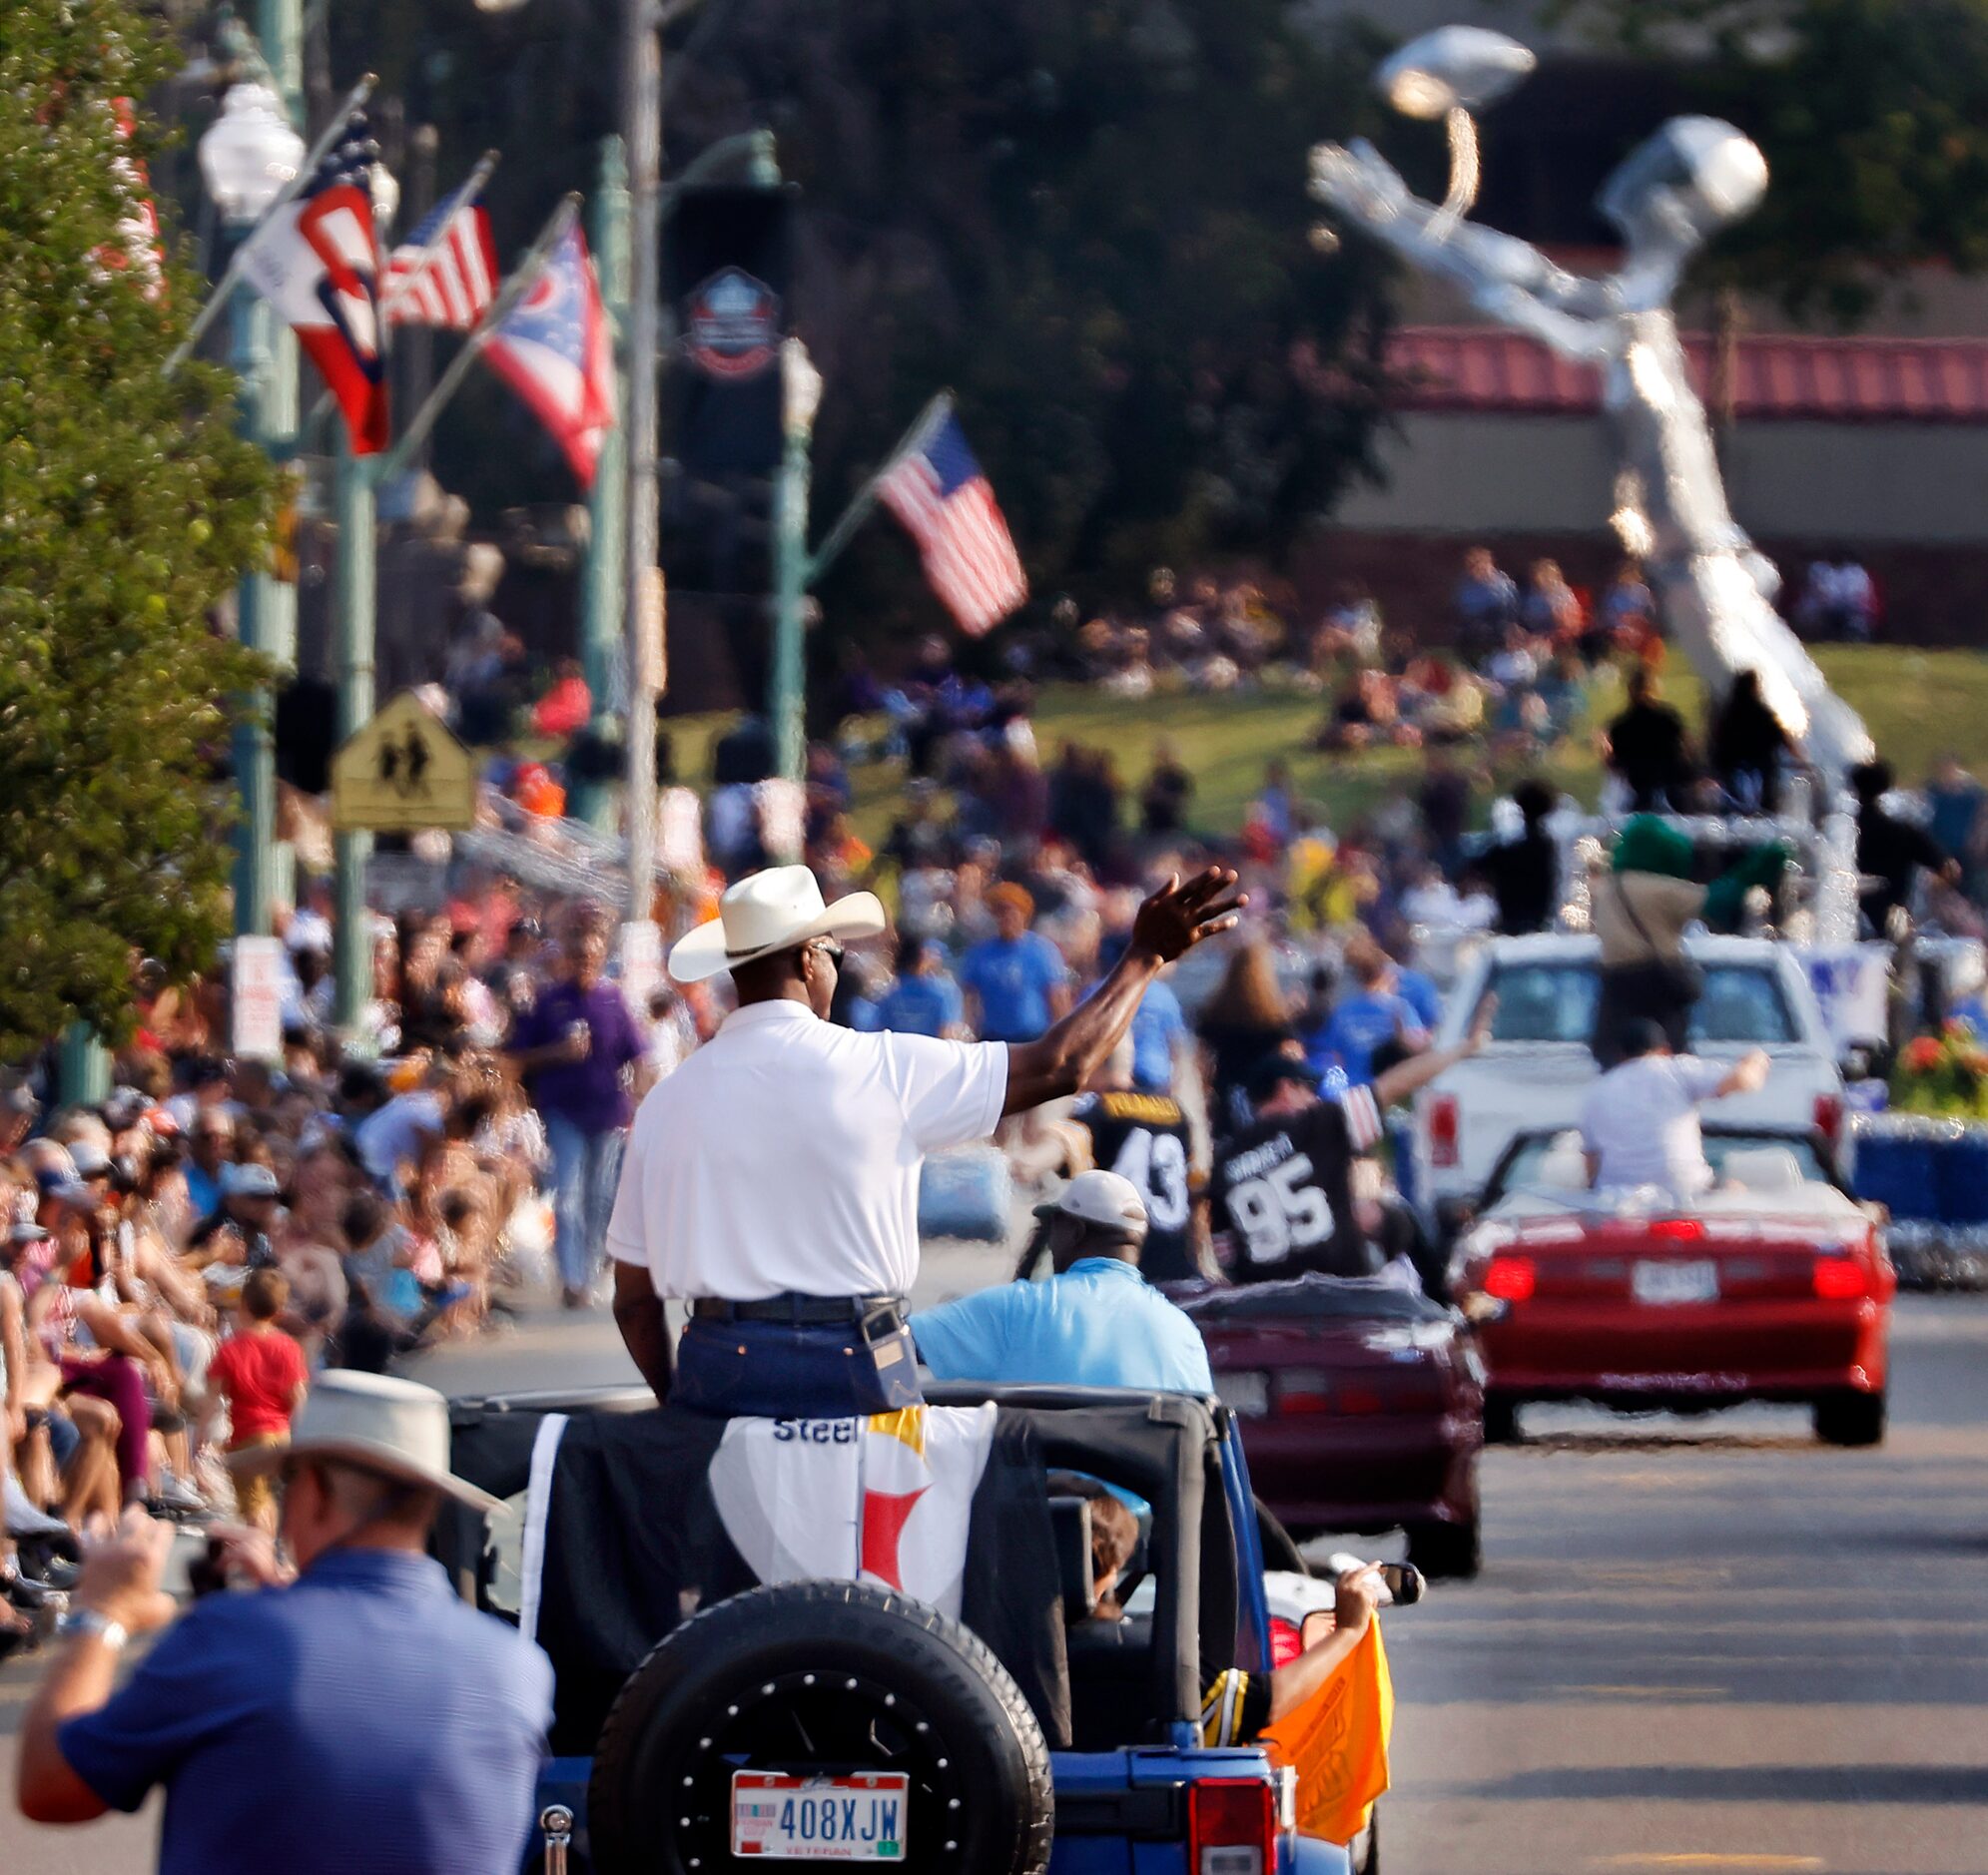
(765, 913)
(395, 1427)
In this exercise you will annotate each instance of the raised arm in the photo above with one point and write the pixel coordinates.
(1415, 1073)
(1749, 1074)
(1508, 278)
(1170, 923)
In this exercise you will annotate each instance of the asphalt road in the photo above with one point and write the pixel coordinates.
(1697, 1645)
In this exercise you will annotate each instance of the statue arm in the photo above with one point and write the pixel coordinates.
(1507, 278)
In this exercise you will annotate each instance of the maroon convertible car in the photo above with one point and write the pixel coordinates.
(1361, 1406)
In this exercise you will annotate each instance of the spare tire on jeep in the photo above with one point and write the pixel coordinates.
(821, 1680)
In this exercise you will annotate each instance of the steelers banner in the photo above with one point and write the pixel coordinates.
(883, 1499)
(633, 1522)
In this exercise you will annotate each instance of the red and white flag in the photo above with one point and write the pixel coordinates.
(446, 272)
(946, 505)
(316, 260)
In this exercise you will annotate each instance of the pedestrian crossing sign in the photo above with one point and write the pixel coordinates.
(404, 771)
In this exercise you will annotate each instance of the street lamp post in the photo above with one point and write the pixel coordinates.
(800, 398)
(246, 157)
(354, 599)
(642, 605)
(602, 652)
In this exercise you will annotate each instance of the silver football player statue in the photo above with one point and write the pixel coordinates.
(1667, 197)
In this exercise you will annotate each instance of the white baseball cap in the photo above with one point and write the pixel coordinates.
(1102, 1200)
(768, 912)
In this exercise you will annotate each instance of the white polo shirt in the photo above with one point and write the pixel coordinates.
(783, 1156)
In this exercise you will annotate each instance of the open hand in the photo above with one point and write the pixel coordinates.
(1177, 918)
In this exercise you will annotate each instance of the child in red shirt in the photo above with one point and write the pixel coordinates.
(260, 1372)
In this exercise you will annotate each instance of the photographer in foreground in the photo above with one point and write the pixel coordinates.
(353, 1714)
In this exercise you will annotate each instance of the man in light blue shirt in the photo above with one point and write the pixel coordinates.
(1095, 1323)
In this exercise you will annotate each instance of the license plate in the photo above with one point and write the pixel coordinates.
(1674, 1282)
(820, 1819)
(1245, 1393)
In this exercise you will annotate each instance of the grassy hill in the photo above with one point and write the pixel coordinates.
(1918, 704)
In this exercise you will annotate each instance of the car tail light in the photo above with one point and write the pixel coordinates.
(1286, 1643)
(1444, 1129)
(1840, 1279)
(1830, 1116)
(1678, 1230)
(1231, 1826)
(1512, 1279)
(1303, 1390)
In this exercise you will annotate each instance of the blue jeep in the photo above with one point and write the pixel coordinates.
(840, 1721)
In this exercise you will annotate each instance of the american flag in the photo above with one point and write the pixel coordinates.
(446, 272)
(938, 490)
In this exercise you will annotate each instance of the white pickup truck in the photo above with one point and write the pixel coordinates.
(1536, 1069)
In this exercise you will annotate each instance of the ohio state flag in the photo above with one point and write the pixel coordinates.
(553, 350)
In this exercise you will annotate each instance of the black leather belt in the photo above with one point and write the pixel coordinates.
(800, 1311)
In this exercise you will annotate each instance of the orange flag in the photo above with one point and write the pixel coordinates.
(1337, 1742)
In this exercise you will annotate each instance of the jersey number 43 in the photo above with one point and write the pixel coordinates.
(1156, 1163)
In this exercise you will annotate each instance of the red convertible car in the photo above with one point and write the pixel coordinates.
(1773, 1286)
(1360, 1408)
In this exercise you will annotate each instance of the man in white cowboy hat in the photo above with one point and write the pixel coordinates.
(357, 1716)
(772, 1180)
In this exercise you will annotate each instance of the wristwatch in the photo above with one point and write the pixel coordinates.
(75, 1621)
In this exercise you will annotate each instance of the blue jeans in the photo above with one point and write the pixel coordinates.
(777, 1370)
(585, 1168)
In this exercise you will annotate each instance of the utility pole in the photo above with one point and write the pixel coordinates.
(644, 609)
(800, 397)
(603, 653)
(263, 353)
(354, 600)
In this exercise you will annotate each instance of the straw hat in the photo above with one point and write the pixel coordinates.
(766, 912)
(373, 1421)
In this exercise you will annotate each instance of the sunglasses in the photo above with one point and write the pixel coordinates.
(833, 951)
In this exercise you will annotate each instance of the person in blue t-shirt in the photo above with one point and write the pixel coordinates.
(1095, 1323)
(924, 1001)
(1159, 1034)
(1373, 1015)
(1017, 980)
(1421, 996)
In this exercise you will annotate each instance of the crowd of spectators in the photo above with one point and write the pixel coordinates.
(182, 1256)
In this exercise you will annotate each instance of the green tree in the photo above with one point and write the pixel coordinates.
(1873, 115)
(126, 506)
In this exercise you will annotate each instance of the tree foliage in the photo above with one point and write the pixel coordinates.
(1873, 115)
(126, 506)
(1088, 217)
